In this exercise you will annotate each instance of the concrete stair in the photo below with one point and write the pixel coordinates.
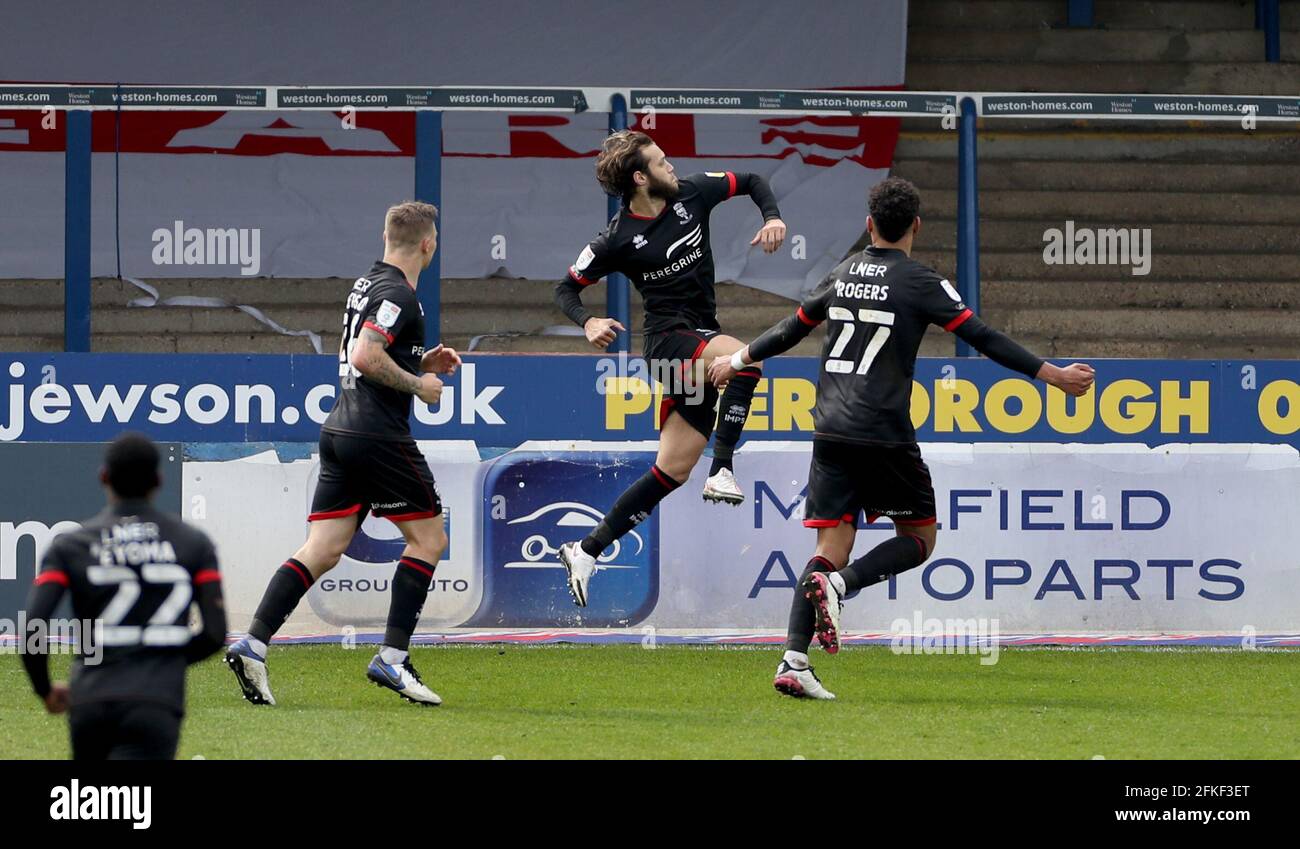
(1220, 201)
(1166, 46)
(472, 313)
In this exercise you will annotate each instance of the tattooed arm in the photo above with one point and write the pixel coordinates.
(370, 358)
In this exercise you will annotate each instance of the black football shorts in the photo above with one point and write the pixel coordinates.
(124, 731)
(879, 480)
(671, 356)
(360, 474)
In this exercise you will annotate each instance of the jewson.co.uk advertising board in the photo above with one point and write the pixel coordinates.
(503, 400)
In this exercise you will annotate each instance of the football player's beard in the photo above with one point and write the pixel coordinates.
(663, 190)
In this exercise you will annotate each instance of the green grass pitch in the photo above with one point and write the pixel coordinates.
(630, 702)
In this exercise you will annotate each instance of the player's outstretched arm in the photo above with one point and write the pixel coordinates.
(1073, 379)
(772, 234)
(600, 331)
(774, 341)
(370, 357)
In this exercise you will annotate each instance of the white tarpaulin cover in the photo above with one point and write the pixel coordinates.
(305, 195)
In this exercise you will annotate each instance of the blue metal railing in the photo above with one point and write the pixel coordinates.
(1080, 13)
(76, 232)
(618, 298)
(1268, 17)
(968, 216)
(428, 188)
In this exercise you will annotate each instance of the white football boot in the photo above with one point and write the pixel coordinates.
(723, 487)
(580, 566)
(825, 599)
(250, 671)
(800, 683)
(403, 680)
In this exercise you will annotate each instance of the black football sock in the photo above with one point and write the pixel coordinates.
(410, 589)
(803, 619)
(733, 409)
(891, 557)
(287, 587)
(632, 507)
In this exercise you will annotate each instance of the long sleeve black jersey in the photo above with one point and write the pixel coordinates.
(133, 572)
(668, 258)
(879, 303)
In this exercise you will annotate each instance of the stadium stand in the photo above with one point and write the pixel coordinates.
(1217, 198)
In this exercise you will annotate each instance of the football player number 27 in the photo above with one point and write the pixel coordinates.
(878, 324)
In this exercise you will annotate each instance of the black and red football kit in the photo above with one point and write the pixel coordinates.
(132, 572)
(878, 303)
(369, 461)
(669, 260)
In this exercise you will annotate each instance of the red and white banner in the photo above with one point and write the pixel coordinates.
(519, 194)
(302, 194)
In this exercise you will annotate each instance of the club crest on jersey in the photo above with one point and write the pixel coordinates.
(638, 241)
(680, 209)
(387, 314)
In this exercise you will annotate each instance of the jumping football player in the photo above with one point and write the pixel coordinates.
(660, 240)
(369, 461)
(133, 572)
(865, 456)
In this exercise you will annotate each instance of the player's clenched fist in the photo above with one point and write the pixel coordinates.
(1075, 379)
(430, 389)
(601, 331)
(770, 235)
(58, 699)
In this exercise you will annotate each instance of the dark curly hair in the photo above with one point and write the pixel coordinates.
(621, 156)
(131, 465)
(894, 204)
